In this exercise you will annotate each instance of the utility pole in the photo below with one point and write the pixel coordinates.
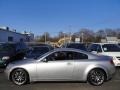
(105, 35)
(45, 37)
(70, 37)
(64, 38)
(82, 37)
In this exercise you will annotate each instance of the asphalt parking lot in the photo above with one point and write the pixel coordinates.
(113, 84)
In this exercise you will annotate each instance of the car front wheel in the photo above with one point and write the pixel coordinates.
(96, 77)
(19, 77)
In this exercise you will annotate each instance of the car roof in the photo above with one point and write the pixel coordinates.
(40, 47)
(12, 42)
(37, 44)
(74, 43)
(103, 43)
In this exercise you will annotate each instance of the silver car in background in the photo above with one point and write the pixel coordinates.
(63, 64)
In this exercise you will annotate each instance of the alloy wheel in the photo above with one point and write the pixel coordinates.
(19, 77)
(96, 77)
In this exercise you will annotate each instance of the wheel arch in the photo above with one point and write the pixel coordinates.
(90, 68)
(10, 75)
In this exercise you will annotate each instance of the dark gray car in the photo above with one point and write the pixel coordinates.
(11, 51)
(36, 51)
(80, 46)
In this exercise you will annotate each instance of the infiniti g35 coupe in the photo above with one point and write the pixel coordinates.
(63, 64)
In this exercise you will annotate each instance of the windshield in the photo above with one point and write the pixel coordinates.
(119, 44)
(111, 48)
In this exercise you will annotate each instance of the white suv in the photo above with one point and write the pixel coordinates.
(108, 49)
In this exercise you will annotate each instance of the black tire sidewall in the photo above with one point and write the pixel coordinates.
(89, 77)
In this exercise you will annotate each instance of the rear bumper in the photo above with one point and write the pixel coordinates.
(111, 73)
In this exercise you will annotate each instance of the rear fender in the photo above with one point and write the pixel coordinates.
(91, 67)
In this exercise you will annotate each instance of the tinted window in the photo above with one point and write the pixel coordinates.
(63, 46)
(78, 56)
(119, 44)
(93, 47)
(57, 56)
(111, 48)
(66, 55)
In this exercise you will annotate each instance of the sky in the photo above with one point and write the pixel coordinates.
(53, 16)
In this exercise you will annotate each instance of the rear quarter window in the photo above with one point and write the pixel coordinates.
(79, 56)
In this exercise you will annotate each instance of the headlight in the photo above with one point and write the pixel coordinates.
(5, 58)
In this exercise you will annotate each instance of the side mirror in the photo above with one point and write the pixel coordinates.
(44, 60)
(105, 49)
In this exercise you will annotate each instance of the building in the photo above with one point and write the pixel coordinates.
(110, 40)
(7, 35)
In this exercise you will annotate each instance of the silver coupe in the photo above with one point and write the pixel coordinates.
(63, 64)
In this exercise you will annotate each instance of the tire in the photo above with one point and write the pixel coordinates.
(19, 77)
(96, 77)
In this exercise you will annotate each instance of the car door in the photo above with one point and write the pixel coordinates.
(81, 63)
(56, 67)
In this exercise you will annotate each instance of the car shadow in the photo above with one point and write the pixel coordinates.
(59, 82)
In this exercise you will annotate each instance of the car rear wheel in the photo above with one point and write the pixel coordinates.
(96, 77)
(19, 77)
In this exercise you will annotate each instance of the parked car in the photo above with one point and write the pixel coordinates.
(39, 44)
(80, 46)
(63, 64)
(108, 49)
(119, 44)
(37, 51)
(10, 52)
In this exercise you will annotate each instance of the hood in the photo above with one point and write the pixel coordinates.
(2, 54)
(23, 61)
(111, 53)
(33, 55)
